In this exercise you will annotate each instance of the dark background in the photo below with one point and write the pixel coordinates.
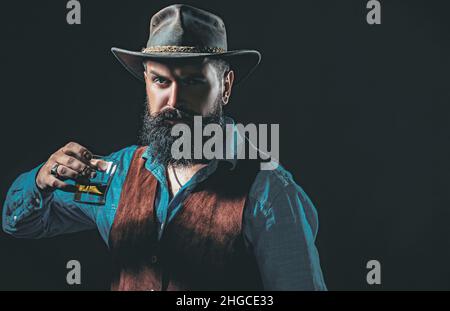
(363, 113)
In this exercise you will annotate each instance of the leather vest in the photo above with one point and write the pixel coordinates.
(201, 248)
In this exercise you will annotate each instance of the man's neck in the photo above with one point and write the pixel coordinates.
(178, 176)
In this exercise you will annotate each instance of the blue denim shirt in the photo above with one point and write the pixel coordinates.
(280, 222)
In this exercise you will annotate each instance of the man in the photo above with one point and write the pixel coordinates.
(179, 224)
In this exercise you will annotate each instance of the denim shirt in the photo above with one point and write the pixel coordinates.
(280, 222)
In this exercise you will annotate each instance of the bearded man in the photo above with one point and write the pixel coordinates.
(178, 224)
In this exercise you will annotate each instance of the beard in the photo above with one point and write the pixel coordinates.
(156, 133)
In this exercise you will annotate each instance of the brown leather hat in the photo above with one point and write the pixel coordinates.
(182, 31)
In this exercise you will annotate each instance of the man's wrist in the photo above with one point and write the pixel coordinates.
(37, 193)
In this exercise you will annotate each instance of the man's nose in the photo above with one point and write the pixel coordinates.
(174, 95)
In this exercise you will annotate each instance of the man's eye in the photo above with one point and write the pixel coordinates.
(160, 80)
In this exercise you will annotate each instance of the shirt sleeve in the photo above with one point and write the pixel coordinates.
(281, 230)
(31, 213)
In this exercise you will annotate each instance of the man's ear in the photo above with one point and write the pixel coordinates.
(227, 86)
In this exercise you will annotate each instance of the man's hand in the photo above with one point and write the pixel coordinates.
(74, 162)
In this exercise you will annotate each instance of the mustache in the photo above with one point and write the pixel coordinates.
(175, 114)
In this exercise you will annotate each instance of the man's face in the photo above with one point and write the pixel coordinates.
(176, 92)
(193, 87)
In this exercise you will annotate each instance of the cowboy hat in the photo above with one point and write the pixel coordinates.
(183, 32)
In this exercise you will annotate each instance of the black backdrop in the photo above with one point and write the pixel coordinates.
(363, 114)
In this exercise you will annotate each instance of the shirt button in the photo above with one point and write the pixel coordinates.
(154, 259)
(37, 201)
(15, 218)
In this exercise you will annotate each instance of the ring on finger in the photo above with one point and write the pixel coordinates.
(86, 171)
(54, 170)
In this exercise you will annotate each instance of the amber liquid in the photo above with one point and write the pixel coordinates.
(91, 188)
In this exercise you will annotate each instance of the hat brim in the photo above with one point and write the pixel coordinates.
(243, 62)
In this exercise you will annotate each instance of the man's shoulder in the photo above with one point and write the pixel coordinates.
(271, 184)
(279, 199)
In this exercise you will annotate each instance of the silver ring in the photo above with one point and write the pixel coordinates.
(86, 171)
(54, 170)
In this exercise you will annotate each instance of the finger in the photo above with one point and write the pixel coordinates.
(65, 172)
(55, 183)
(73, 164)
(78, 151)
(101, 165)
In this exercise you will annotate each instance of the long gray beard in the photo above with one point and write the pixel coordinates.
(156, 134)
